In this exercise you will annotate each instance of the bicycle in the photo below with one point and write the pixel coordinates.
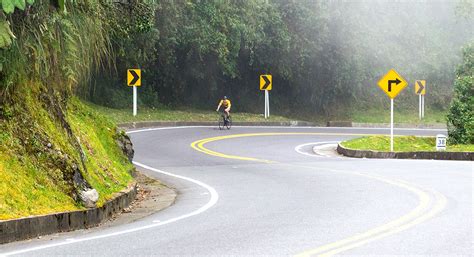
(225, 122)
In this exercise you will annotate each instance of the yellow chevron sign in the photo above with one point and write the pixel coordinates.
(134, 77)
(266, 82)
(420, 87)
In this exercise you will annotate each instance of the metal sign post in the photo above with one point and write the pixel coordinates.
(267, 104)
(419, 106)
(134, 101)
(391, 124)
(422, 106)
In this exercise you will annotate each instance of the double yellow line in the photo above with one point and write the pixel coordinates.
(427, 207)
(199, 144)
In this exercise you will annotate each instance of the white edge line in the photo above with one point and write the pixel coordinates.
(286, 127)
(298, 148)
(212, 201)
(315, 149)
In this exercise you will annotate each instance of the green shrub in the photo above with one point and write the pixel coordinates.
(460, 116)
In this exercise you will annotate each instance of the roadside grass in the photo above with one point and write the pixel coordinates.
(31, 182)
(374, 115)
(164, 114)
(401, 144)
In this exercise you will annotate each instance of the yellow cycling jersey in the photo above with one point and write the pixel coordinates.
(225, 103)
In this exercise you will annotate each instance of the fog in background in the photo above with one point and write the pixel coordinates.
(419, 39)
(325, 56)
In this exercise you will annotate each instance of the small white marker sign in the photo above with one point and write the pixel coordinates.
(440, 142)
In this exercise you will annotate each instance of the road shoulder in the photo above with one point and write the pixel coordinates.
(152, 197)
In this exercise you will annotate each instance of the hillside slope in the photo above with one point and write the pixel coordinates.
(49, 155)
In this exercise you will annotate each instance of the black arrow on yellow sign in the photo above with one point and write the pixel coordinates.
(390, 82)
(267, 83)
(420, 87)
(136, 77)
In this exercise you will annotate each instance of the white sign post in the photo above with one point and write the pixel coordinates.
(421, 112)
(422, 106)
(266, 85)
(391, 124)
(419, 104)
(267, 104)
(134, 101)
(440, 142)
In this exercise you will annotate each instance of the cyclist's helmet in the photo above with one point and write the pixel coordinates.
(225, 97)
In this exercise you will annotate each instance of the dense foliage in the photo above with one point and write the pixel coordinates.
(461, 112)
(52, 148)
(325, 56)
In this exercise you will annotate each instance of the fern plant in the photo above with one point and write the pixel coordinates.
(8, 7)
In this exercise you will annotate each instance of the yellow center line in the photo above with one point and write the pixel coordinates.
(199, 144)
(426, 208)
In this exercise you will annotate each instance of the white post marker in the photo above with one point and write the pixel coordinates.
(440, 142)
(391, 124)
(134, 101)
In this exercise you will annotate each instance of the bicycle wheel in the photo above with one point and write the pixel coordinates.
(221, 123)
(229, 122)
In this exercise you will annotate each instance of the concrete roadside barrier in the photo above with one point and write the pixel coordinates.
(459, 156)
(31, 227)
(149, 124)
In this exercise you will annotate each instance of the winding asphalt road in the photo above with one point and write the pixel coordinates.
(262, 191)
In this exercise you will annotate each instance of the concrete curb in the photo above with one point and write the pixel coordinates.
(400, 125)
(148, 124)
(459, 156)
(30, 227)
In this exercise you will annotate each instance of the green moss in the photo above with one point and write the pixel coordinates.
(26, 189)
(108, 168)
(401, 144)
(34, 177)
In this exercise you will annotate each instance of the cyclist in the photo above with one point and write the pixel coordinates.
(226, 104)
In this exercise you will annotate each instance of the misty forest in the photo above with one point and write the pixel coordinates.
(325, 56)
